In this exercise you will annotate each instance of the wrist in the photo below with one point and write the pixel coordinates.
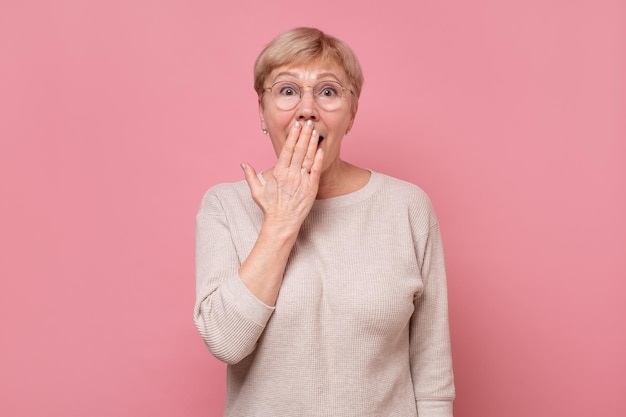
(279, 229)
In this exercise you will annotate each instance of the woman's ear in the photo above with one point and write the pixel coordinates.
(356, 107)
(262, 118)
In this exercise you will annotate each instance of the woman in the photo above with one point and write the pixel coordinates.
(321, 284)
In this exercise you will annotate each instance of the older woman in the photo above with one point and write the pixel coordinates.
(321, 284)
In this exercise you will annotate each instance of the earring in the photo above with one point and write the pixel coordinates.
(265, 131)
(347, 131)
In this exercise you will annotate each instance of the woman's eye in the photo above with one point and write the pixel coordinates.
(288, 91)
(328, 92)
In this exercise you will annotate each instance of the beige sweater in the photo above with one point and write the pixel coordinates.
(360, 327)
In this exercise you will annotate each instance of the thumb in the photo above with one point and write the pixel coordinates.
(251, 178)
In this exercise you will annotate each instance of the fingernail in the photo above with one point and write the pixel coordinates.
(309, 123)
(296, 125)
(243, 166)
(314, 134)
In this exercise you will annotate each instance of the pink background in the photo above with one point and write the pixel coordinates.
(116, 116)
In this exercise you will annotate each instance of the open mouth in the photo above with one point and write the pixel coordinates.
(321, 138)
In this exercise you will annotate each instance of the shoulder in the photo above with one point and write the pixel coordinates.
(405, 200)
(227, 190)
(402, 191)
(225, 195)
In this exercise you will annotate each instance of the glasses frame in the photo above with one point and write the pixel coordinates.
(301, 91)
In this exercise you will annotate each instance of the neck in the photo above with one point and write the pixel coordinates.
(338, 179)
(341, 178)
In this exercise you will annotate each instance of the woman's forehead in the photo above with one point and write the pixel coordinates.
(310, 71)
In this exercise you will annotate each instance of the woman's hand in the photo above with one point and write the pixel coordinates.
(287, 197)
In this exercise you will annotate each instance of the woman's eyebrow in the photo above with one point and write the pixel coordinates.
(288, 73)
(297, 75)
(327, 74)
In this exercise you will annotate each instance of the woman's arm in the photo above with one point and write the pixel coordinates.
(228, 316)
(234, 301)
(430, 351)
(285, 199)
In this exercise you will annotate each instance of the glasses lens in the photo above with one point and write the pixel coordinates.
(286, 95)
(327, 94)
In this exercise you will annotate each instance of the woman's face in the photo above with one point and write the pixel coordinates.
(331, 125)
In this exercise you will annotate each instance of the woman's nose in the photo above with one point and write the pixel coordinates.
(307, 108)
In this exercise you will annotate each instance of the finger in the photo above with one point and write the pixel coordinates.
(252, 179)
(311, 149)
(286, 153)
(318, 164)
(300, 150)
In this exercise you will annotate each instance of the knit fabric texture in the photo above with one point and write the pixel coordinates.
(360, 326)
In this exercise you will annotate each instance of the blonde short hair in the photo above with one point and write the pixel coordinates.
(303, 45)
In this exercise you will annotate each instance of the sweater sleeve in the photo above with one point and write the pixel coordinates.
(430, 351)
(228, 316)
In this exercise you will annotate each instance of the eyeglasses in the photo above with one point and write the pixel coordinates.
(328, 94)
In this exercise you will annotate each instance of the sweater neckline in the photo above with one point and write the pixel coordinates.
(354, 197)
(344, 200)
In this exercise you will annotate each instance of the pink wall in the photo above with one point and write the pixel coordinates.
(116, 116)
